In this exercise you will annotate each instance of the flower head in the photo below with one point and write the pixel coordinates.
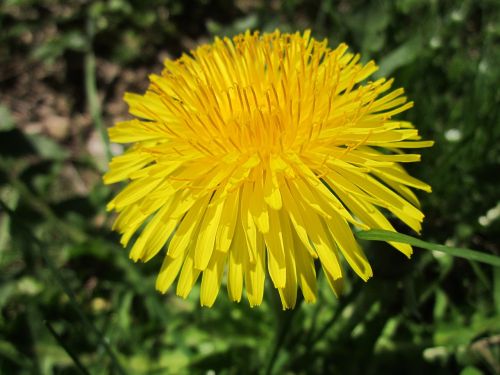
(256, 155)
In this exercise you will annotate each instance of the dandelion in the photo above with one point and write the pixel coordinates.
(256, 156)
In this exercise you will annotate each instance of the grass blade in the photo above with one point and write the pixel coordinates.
(383, 235)
(68, 350)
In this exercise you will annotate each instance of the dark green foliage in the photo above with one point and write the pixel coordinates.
(72, 302)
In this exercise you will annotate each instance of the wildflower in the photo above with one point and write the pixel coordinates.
(256, 155)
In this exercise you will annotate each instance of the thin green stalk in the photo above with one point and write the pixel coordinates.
(68, 350)
(91, 89)
(383, 235)
(282, 332)
(284, 319)
(480, 274)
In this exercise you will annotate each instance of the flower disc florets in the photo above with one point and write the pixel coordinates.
(258, 153)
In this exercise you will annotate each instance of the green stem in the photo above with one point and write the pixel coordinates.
(384, 235)
(282, 332)
(284, 319)
(91, 90)
(68, 350)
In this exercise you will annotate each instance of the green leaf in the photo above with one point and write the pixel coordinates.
(71, 40)
(6, 121)
(401, 56)
(383, 235)
(496, 289)
(47, 147)
(9, 351)
(470, 370)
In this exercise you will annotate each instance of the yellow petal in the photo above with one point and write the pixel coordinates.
(121, 167)
(400, 176)
(318, 195)
(412, 144)
(342, 234)
(370, 154)
(258, 207)
(288, 294)
(168, 272)
(276, 251)
(404, 191)
(228, 221)
(184, 234)
(133, 192)
(137, 131)
(249, 228)
(371, 216)
(154, 235)
(243, 170)
(386, 198)
(272, 194)
(160, 169)
(255, 274)
(306, 273)
(189, 275)
(299, 188)
(208, 230)
(298, 222)
(212, 278)
(237, 255)
(148, 106)
(326, 250)
(337, 285)
(124, 217)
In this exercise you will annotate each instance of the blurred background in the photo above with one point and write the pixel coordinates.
(71, 301)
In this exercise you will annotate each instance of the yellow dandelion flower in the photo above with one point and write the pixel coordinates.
(255, 155)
